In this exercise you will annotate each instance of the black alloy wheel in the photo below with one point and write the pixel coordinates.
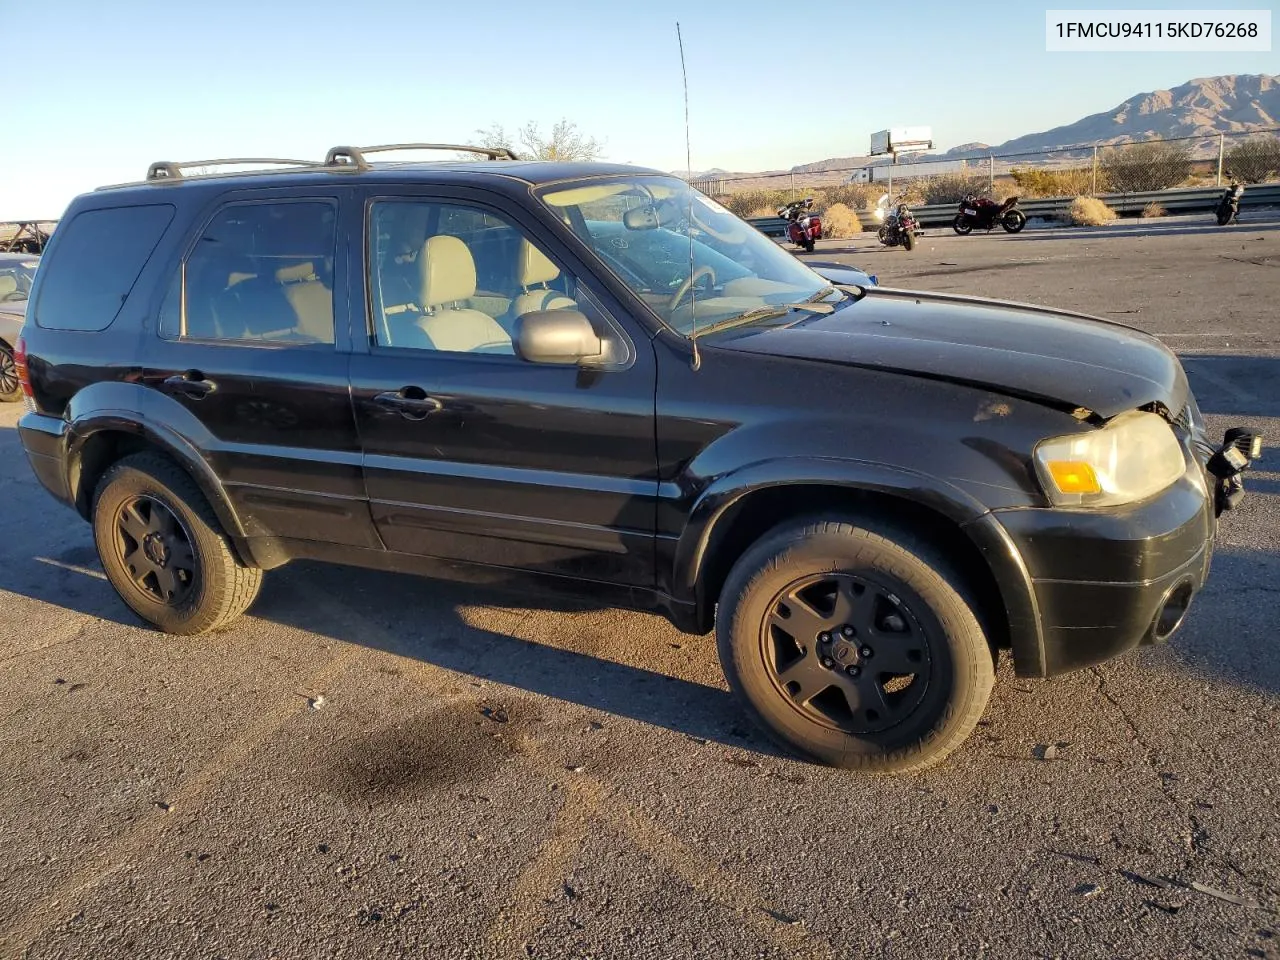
(846, 653)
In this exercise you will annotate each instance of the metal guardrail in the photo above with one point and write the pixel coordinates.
(1182, 200)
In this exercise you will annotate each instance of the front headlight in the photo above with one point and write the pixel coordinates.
(1132, 457)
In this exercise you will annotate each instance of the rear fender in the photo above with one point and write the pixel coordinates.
(131, 409)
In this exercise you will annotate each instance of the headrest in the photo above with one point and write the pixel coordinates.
(8, 285)
(534, 266)
(448, 271)
(297, 273)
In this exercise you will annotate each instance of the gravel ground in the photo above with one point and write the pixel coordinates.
(376, 765)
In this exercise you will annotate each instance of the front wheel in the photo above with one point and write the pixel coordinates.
(1013, 221)
(909, 239)
(1224, 217)
(10, 389)
(883, 236)
(961, 225)
(808, 245)
(163, 549)
(855, 646)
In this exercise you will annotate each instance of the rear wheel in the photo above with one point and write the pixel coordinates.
(909, 239)
(1013, 221)
(10, 390)
(163, 549)
(960, 225)
(808, 244)
(854, 647)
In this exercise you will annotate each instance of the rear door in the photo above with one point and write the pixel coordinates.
(253, 342)
(471, 453)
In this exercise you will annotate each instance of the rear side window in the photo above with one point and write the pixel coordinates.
(94, 264)
(260, 272)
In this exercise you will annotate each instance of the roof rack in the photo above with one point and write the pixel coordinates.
(355, 156)
(170, 170)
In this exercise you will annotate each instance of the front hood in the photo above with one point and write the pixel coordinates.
(1063, 359)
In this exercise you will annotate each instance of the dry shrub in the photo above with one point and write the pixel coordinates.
(855, 196)
(761, 212)
(1149, 165)
(1090, 212)
(840, 223)
(1037, 182)
(1256, 160)
(954, 187)
(1154, 209)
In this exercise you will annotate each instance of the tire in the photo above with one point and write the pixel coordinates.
(883, 236)
(808, 245)
(961, 226)
(918, 598)
(1013, 221)
(10, 391)
(1224, 217)
(909, 239)
(197, 583)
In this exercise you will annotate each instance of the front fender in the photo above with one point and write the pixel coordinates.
(855, 475)
(945, 500)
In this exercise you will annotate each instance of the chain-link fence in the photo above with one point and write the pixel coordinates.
(1080, 170)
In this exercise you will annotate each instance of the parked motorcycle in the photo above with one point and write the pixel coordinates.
(983, 213)
(803, 227)
(1229, 206)
(900, 227)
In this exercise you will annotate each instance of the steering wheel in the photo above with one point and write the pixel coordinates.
(687, 285)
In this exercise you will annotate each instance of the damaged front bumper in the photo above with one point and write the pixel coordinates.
(1106, 581)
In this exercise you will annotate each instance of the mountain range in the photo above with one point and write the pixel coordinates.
(1201, 108)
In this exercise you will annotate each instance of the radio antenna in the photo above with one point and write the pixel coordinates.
(688, 172)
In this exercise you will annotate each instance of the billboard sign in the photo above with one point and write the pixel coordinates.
(901, 140)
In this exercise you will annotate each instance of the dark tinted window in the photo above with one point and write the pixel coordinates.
(260, 271)
(95, 262)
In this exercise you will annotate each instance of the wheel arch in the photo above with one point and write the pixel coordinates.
(739, 509)
(95, 443)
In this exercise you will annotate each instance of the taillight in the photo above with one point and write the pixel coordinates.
(24, 375)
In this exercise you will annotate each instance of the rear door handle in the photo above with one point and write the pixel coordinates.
(190, 384)
(412, 403)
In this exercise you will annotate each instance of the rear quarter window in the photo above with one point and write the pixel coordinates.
(94, 263)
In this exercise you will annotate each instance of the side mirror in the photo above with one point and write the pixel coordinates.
(557, 336)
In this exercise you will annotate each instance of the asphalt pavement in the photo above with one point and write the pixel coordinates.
(372, 765)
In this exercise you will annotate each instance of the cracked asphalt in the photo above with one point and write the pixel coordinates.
(377, 765)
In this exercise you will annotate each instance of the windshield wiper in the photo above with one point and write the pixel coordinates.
(766, 313)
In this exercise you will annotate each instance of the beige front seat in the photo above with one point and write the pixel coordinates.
(535, 269)
(448, 279)
(311, 300)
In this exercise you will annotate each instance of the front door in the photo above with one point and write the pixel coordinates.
(471, 453)
(252, 343)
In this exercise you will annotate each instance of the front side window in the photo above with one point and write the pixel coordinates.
(456, 278)
(94, 263)
(259, 272)
(691, 260)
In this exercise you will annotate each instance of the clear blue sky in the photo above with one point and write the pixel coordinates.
(116, 84)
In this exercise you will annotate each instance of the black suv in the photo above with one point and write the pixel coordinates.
(593, 377)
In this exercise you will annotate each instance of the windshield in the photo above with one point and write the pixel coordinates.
(641, 227)
(15, 279)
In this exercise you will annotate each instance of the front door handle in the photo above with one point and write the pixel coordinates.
(190, 384)
(412, 403)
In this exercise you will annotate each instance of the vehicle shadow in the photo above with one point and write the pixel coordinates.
(598, 658)
(1230, 632)
(1234, 385)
